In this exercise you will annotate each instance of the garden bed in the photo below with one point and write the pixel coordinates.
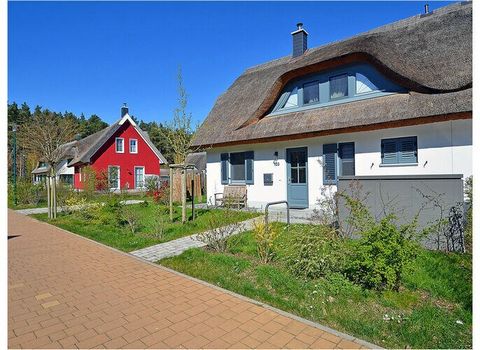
(104, 227)
(431, 309)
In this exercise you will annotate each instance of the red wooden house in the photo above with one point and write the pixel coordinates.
(122, 151)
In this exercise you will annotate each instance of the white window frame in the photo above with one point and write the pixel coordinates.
(116, 144)
(108, 176)
(135, 176)
(130, 146)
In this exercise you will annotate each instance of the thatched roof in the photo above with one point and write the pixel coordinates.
(199, 159)
(429, 55)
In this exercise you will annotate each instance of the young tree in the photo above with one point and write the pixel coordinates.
(43, 135)
(179, 131)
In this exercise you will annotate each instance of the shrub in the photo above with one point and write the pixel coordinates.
(94, 212)
(89, 181)
(161, 194)
(129, 217)
(315, 251)
(381, 255)
(216, 237)
(73, 202)
(64, 191)
(468, 215)
(159, 222)
(327, 213)
(265, 235)
(29, 193)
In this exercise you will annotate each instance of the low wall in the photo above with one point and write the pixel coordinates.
(431, 196)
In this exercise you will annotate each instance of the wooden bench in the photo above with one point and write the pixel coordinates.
(233, 195)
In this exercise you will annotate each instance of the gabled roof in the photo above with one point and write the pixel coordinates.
(199, 159)
(86, 148)
(429, 55)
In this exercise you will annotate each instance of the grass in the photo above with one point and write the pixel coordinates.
(423, 314)
(97, 197)
(105, 229)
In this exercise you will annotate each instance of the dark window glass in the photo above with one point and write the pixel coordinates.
(329, 163)
(294, 175)
(311, 93)
(224, 168)
(302, 175)
(346, 153)
(338, 86)
(237, 166)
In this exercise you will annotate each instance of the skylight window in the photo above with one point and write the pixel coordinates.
(292, 100)
(363, 84)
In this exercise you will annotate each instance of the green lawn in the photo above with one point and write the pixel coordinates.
(107, 231)
(97, 198)
(423, 314)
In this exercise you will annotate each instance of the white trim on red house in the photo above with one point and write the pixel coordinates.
(108, 176)
(135, 176)
(123, 145)
(148, 144)
(130, 146)
(125, 118)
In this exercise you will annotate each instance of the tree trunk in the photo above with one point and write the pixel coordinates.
(48, 197)
(184, 196)
(171, 193)
(54, 195)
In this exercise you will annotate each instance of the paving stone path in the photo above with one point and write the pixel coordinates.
(45, 210)
(65, 291)
(178, 246)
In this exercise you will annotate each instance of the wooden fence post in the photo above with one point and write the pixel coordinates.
(184, 196)
(170, 181)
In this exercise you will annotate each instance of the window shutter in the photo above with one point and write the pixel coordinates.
(249, 167)
(224, 168)
(346, 153)
(389, 152)
(329, 164)
(408, 150)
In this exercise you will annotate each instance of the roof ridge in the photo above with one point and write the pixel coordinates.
(401, 22)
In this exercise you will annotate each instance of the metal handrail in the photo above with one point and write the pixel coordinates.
(275, 203)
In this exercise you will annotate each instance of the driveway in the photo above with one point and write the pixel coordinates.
(65, 291)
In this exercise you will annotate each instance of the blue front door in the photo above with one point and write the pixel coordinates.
(297, 186)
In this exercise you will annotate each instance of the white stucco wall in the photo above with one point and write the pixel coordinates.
(443, 148)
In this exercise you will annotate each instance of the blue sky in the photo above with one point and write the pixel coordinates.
(90, 57)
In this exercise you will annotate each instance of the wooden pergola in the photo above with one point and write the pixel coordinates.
(185, 168)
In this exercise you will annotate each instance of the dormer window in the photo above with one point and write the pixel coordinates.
(292, 100)
(338, 87)
(349, 83)
(311, 93)
(363, 84)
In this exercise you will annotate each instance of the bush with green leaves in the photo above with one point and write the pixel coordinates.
(381, 255)
(29, 193)
(315, 251)
(265, 235)
(64, 192)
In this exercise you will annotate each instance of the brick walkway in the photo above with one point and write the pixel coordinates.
(66, 291)
(178, 246)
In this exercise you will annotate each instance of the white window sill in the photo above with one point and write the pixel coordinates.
(397, 164)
